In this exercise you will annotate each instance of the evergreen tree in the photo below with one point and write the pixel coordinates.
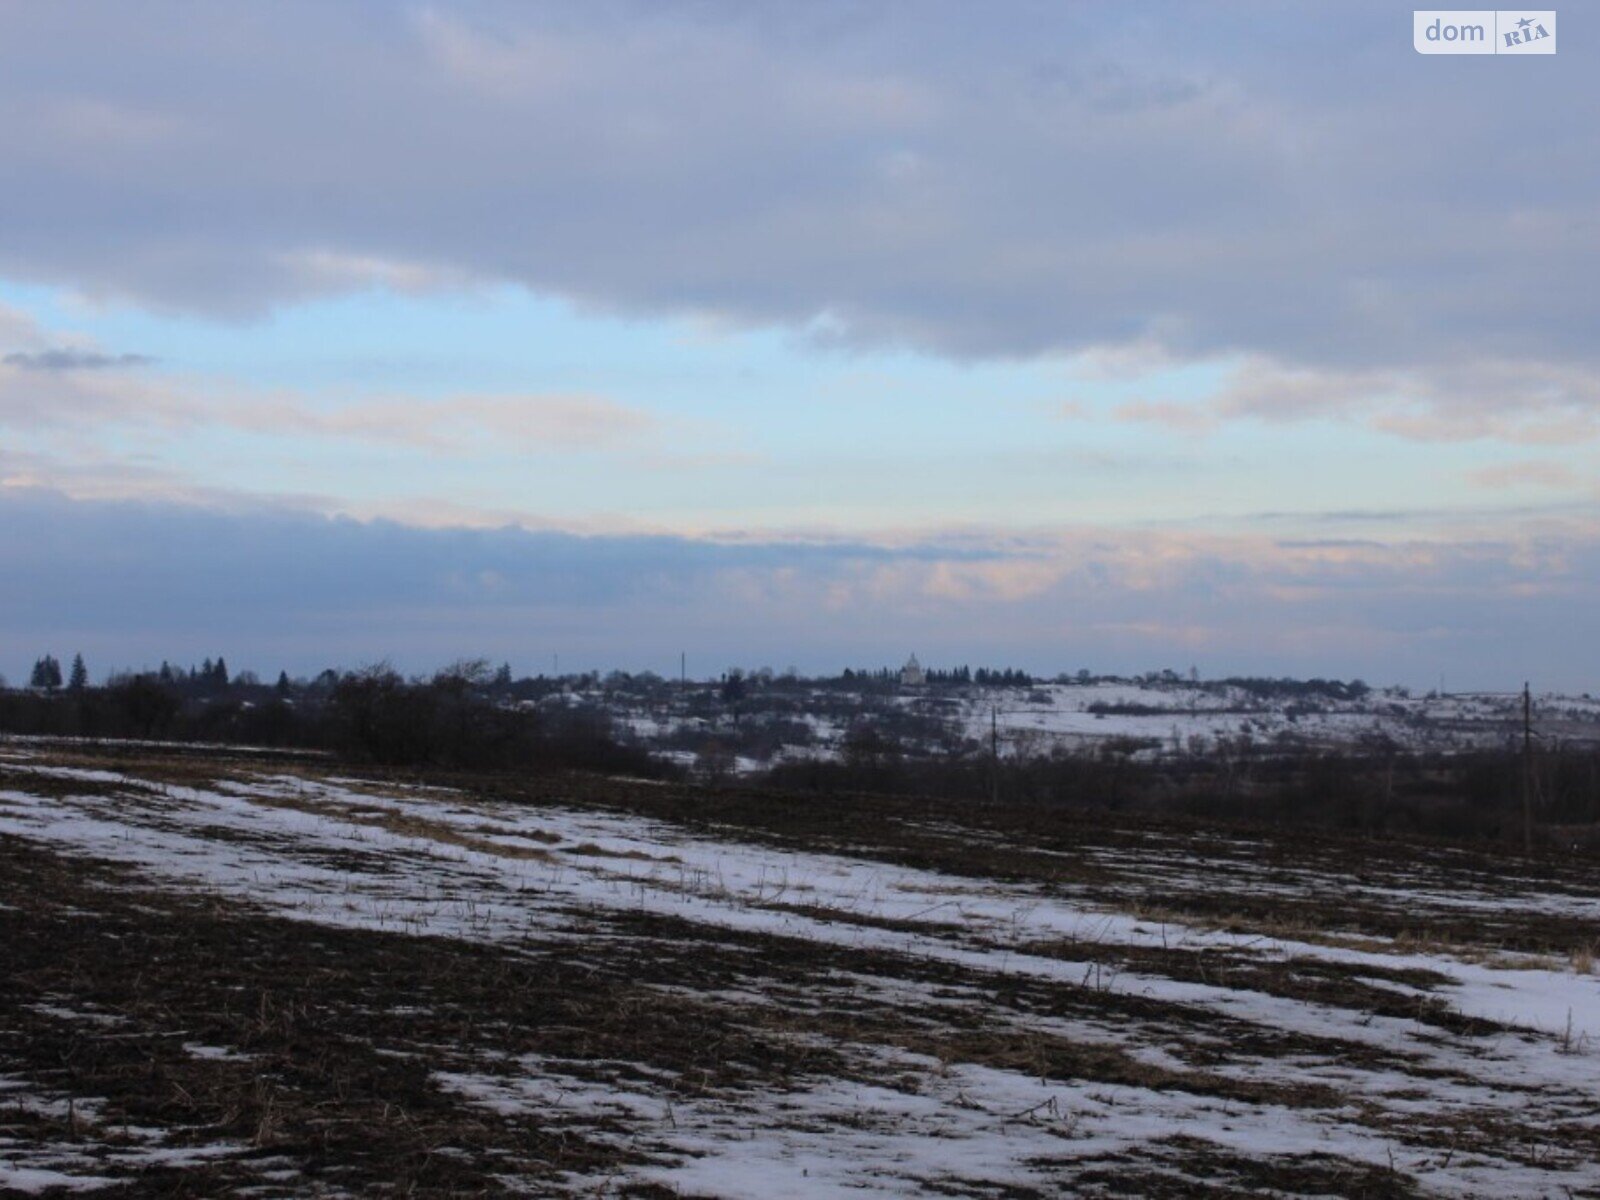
(79, 679)
(283, 683)
(219, 673)
(46, 674)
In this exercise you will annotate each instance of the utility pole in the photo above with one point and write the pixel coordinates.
(1527, 781)
(1527, 769)
(994, 754)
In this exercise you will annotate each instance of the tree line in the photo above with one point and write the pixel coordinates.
(468, 715)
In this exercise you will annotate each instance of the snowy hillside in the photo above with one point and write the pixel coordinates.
(1151, 718)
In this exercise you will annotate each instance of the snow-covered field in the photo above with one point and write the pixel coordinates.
(1151, 718)
(1171, 715)
(931, 1009)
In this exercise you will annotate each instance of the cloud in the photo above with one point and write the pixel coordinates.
(271, 585)
(97, 477)
(71, 359)
(109, 128)
(322, 271)
(85, 389)
(72, 385)
(1531, 472)
(458, 424)
(1528, 403)
(18, 328)
(1022, 181)
(36, 396)
(1184, 418)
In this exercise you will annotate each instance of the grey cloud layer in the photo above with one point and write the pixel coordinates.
(137, 582)
(1009, 179)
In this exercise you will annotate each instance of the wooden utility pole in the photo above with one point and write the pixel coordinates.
(1527, 780)
(994, 754)
(1527, 769)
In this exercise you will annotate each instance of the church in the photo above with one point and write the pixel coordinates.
(912, 674)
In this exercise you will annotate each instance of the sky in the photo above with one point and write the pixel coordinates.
(1058, 335)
